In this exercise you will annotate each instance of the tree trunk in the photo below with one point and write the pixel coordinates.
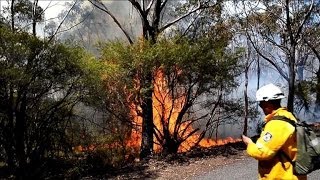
(170, 146)
(10, 156)
(258, 76)
(9, 148)
(34, 18)
(291, 58)
(317, 104)
(147, 106)
(20, 138)
(12, 15)
(147, 123)
(246, 103)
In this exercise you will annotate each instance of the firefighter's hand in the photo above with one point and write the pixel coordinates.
(246, 139)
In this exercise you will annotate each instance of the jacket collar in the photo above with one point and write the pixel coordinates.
(270, 116)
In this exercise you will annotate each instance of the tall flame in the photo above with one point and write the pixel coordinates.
(165, 112)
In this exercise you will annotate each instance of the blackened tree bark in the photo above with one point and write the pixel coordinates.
(147, 123)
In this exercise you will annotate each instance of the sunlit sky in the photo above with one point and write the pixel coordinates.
(52, 8)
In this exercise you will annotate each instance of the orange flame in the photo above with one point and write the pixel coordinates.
(165, 112)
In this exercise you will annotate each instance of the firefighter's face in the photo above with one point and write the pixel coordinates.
(266, 107)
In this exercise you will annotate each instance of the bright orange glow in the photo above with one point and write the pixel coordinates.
(135, 139)
(165, 113)
(80, 148)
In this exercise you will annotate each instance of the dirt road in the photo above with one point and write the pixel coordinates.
(243, 169)
(229, 162)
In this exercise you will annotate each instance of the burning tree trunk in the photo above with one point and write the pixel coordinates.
(170, 146)
(174, 129)
(147, 123)
(173, 133)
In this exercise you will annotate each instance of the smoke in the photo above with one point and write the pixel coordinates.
(88, 25)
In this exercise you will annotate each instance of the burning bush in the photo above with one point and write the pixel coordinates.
(190, 87)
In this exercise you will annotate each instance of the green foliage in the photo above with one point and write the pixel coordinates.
(40, 85)
(205, 68)
(303, 98)
(47, 85)
(203, 58)
(25, 13)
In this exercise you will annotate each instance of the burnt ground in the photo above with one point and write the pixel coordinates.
(181, 166)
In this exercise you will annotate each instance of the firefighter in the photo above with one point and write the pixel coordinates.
(277, 140)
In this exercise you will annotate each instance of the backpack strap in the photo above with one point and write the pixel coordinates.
(283, 118)
(281, 152)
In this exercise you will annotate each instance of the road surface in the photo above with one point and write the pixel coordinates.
(245, 169)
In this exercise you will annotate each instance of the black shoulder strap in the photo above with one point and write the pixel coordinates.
(281, 152)
(283, 118)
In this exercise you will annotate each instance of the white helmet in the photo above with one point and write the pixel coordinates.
(269, 92)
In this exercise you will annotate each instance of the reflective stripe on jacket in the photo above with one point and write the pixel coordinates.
(276, 135)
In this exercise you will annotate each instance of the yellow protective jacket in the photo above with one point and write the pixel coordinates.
(276, 135)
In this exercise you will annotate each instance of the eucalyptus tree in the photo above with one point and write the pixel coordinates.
(202, 77)
(154, 22)
(39, 94)
(23, 15)
(190, 86)
(275, 29)
(41, 82)
(157, 20)
(311, 58)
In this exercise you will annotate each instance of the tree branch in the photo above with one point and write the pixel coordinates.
(288, 23)
(105, 9)
(266, 58)
(143, 14)
(65, 17)
(71, 27)
(149, 7)
(305, 19)
(316, 53)
(139, 8)
(163, 5)
(200, 6)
